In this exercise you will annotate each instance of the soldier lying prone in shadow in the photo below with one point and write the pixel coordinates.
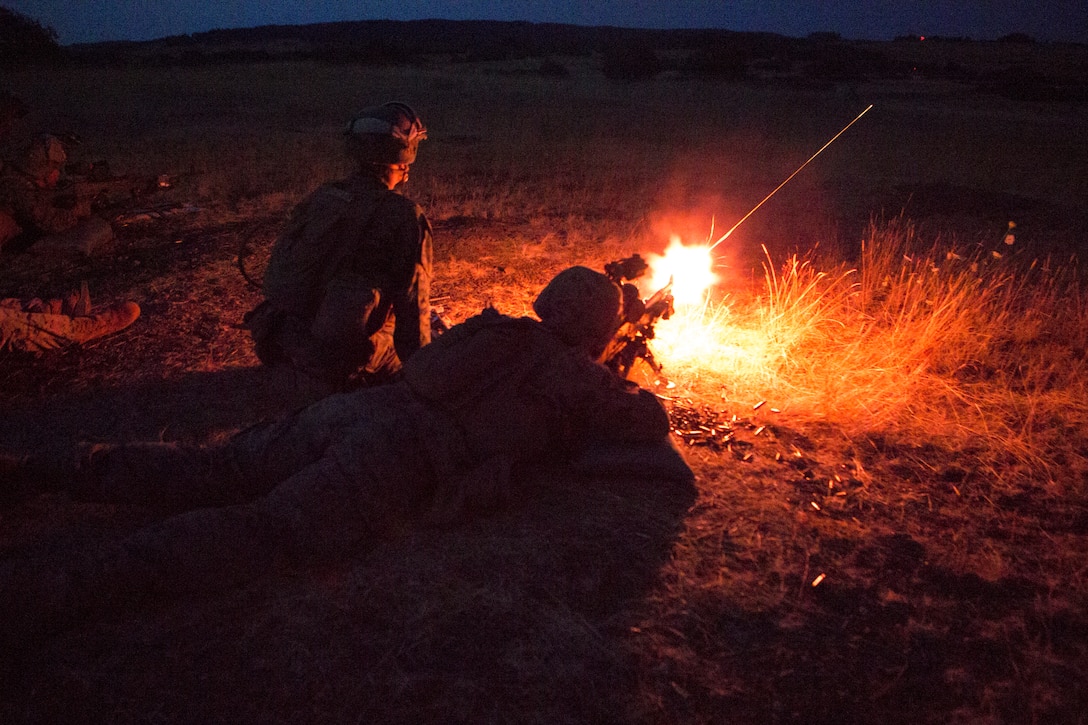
(493, 397)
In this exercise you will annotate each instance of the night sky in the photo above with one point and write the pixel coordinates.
(86, 21)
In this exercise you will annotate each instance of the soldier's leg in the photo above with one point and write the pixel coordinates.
(275, 451)
(375, 480)
(367, 484)
(33, 332)
(294, 345)
(38, 332)
(177, 477)
(110, 320)
(342, 502)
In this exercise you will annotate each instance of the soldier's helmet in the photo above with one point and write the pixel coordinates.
(43, 159)
(582, 307)
(386, 134)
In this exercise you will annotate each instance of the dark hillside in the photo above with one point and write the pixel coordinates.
(521, 39)
(1017, 70)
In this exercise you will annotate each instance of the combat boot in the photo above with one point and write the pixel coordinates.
(111, 320)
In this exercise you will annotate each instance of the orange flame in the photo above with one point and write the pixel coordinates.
(700, 342)
(689, 268)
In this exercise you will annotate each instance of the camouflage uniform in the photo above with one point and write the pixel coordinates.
(348, 284)
(492, 394)
(35, 326)
(38, 210)
(29, 199)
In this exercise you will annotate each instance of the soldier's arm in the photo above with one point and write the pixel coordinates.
(412, 306)
(51, 211)
(613, 427)
(600, 407)
(34, 209)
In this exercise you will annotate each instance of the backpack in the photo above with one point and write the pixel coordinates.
(308, 252)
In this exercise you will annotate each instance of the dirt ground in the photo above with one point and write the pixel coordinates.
(805, 578)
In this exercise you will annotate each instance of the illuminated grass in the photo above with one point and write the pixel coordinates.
(968, 347)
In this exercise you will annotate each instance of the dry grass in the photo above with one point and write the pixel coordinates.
(979, 348)
(921, 442)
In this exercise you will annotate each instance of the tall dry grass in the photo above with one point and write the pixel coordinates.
(981, 348)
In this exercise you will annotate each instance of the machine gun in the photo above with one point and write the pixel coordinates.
(103, 193)
(631, 339)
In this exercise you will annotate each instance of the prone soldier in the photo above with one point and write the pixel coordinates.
(492, 397)
(35, 212)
